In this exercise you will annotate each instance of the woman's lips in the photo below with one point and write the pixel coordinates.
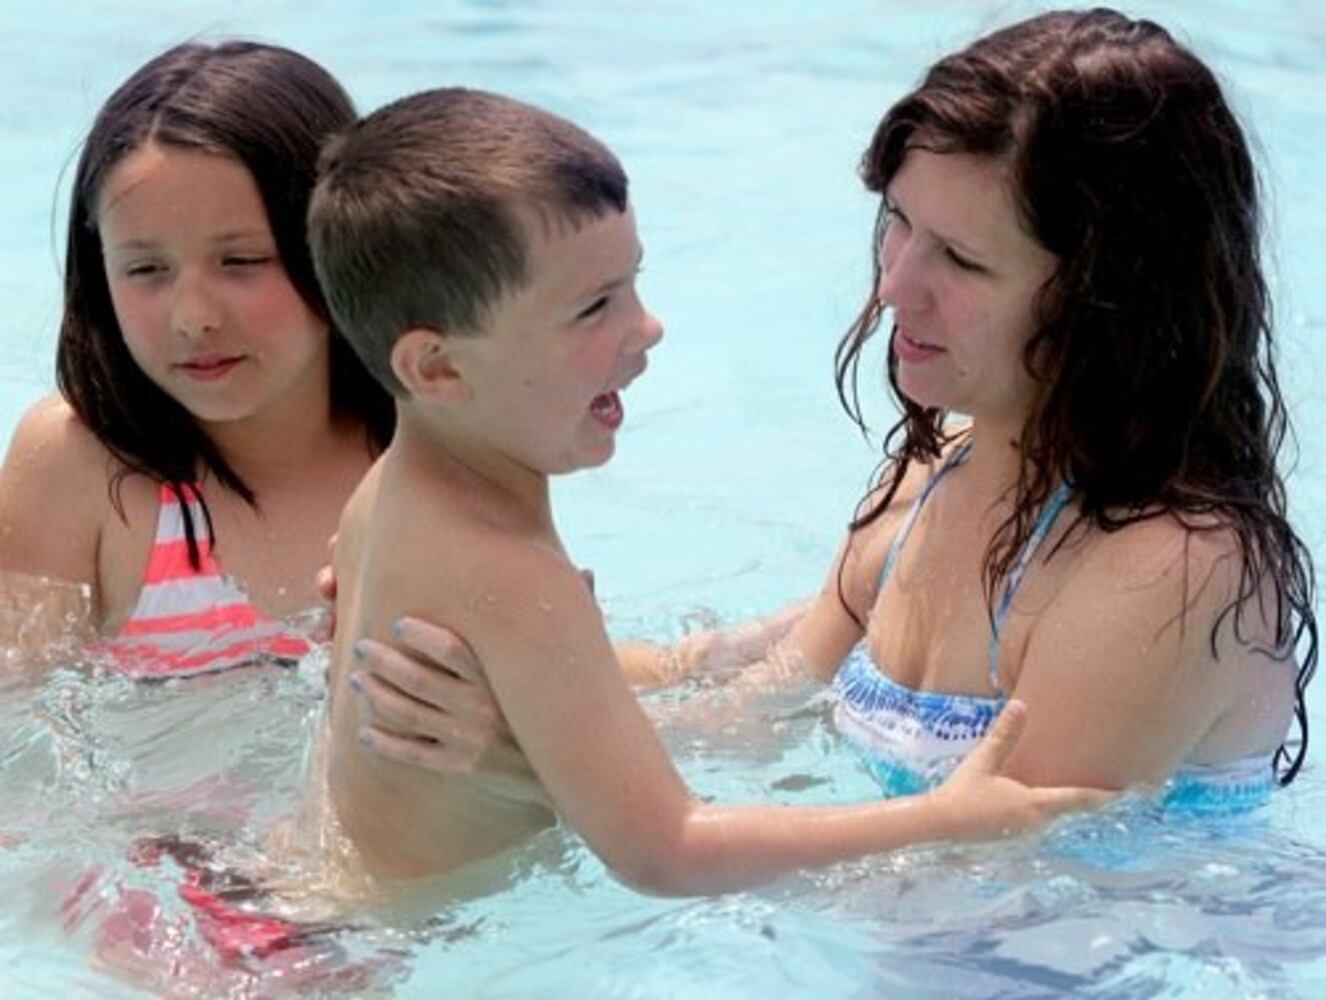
(913, 351)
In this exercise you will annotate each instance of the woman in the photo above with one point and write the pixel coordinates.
(1068, 253)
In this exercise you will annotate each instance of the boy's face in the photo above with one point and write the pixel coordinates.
(547, 370)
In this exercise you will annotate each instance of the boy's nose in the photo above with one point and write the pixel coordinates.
(651, 330)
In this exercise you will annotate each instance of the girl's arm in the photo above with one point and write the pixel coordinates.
(53, 495)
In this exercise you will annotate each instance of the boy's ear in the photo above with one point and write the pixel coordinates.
(424, 362)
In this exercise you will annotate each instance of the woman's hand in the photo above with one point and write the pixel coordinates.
(983, 804)
(428, 705)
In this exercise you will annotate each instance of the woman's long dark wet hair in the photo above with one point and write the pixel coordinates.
(1156, 392)
(268, 108)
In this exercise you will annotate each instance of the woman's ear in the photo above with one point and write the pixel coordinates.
(426, 364)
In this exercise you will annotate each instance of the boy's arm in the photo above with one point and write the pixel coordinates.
(428, 702)
(556, 679)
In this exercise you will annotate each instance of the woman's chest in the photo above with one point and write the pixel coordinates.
(937, 625)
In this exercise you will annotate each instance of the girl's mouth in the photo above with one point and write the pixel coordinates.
(209, 369)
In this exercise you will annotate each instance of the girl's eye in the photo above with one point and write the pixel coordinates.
(243, 261)
(143, 269)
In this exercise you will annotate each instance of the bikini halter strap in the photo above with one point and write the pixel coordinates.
(1044, 522)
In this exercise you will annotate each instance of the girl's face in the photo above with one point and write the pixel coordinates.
(200, 292)
(961, 276)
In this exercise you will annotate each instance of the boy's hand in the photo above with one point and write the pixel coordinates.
(429, 706)
(982, 804)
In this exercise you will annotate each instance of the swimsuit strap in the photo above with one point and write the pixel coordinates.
(956, 457)
(1044, 521)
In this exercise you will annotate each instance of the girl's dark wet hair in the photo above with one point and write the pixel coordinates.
(1156, 391)
(268, 108)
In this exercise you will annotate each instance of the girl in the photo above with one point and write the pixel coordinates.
(210, 423)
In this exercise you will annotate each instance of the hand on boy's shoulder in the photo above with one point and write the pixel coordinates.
(515, 595)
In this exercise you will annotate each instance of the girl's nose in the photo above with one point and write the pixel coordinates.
(196, 312)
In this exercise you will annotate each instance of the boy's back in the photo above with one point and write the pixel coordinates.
(414, 543)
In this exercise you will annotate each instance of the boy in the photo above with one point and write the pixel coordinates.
(481, 255)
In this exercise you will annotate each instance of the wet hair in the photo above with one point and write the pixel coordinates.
(414, 221)
(269, 109)
(1155, 389)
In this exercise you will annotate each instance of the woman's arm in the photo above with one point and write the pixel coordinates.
(428, 703)
(718, 650)
(1121, 674)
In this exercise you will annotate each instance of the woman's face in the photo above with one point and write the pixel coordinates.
(961, 276)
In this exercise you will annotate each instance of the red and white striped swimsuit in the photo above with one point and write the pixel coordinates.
(193, 621)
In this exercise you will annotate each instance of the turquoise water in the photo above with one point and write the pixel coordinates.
(741, 124)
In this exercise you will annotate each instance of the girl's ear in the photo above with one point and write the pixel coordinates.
(426, 364)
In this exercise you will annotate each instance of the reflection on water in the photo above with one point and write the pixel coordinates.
(115, 798)
(741, 125)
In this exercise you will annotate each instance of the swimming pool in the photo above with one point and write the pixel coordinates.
(741, 125)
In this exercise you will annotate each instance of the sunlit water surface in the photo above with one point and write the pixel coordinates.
(741, 125)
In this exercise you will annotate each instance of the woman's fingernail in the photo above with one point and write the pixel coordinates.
(397, 627)
(356, 682)
(357, 650)
(365, 738)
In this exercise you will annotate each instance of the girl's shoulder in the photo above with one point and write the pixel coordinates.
(52, 448)
(54, 463)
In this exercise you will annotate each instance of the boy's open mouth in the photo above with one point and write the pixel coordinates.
(607, 410)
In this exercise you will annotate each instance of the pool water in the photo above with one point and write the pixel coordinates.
(741, 125)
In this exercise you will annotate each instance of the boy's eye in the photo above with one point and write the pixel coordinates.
(597, 306)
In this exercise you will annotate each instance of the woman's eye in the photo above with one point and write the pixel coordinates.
(144, 269)
(965, 263)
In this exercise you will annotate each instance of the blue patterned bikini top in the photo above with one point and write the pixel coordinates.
(912, 740)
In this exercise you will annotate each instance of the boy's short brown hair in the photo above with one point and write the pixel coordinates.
(413, 222)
